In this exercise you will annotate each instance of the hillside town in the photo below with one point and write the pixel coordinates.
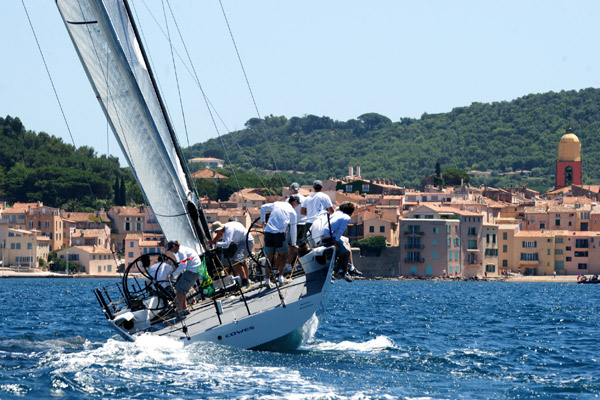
(460, 231)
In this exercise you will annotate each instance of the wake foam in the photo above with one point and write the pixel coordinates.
(380, 343)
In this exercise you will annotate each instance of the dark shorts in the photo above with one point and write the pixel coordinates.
(275, 242)
(186, 281)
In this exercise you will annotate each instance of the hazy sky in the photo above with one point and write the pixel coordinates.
(329, 58)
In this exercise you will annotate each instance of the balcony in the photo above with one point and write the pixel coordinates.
(414, 233)
(414, 246)
(418, 260)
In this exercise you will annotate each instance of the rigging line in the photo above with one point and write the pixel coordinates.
(176, 76)
(250, 89)
(237, 144)
(56, 95)
(207, 102)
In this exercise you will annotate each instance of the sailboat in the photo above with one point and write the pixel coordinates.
(107, 42)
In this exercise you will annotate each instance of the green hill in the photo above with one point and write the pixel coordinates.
(40, 167)
(522, 134)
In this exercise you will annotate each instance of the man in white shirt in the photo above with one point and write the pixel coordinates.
(316, 204)
(160, 271)
(189, 261)
(329, 230)
(301, 227)
(283, 217)
(232, 237)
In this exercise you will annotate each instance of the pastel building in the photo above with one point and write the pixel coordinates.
(24, 248)
(441, 240)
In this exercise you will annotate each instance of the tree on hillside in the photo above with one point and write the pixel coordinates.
(455, 176)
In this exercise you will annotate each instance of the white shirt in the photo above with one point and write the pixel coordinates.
(188, 260)
(160, 271)
(235, 232)
(282, 216)
(320, 228)
(315, 204)
(301, 218)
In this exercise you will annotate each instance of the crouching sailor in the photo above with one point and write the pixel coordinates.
(189, 261)
(327, 229)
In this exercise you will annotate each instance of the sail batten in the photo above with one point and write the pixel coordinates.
(112, 57)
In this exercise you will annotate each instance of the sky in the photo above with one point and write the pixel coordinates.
(335, 58)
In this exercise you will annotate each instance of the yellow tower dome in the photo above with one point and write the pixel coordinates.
(569, 147)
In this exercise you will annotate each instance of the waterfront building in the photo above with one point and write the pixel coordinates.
(441, 240)
(23, 248)
(93, 260)
(126, 220)
(489, 236)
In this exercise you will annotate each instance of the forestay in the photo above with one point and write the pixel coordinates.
(105, 40)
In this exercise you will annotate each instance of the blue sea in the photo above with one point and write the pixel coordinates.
(375, 340)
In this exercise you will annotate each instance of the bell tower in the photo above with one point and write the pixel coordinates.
(568, 166)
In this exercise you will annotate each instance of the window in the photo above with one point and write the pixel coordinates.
(490, 268)
(559, 265)
(494, 238)
(93, 256)
(99, 268)
(581, 254)
(549, 250)
(29, 247)
(581, 266)
(504, 235)
(436, 230)
(448, 240)
(557, 222)
(491, 252)
(47, 225)
(529, 256)
(581, 243)
(365, 188)
(472, 231)
(130, 254)
(549, 240)
(435, 255)
(487, 238)
(558, 251)
(130, 244)
(542, 225)
(530, 244)
(18, 245)
(568, 258)
(471, 244)
(108, 268)
(428, 270)
(456, 255)
(413, 270)
(450, 268)
(382, 229)
(559, 240)
(505, 263)
(12, 246)
(504, 248)
(371, 229)
(450, 255)
(568, 248)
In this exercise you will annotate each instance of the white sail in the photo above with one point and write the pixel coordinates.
(106, 43)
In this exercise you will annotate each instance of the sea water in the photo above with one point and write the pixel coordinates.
(375, 340)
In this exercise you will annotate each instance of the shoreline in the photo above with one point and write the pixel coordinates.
(515, 278)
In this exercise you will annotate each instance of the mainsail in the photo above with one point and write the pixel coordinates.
(106, 42)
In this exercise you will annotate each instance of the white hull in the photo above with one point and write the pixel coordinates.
(268, 320)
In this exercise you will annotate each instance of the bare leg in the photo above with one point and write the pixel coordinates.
(282, 258)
